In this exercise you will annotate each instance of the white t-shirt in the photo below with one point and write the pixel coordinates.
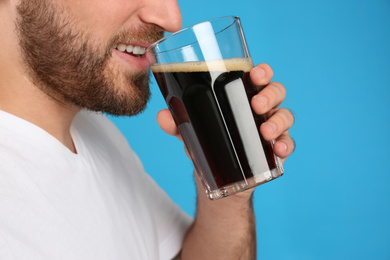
(96, 204)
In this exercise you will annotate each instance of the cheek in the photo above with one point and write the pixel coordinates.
(103, 17)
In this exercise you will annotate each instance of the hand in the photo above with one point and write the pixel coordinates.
(266, 101)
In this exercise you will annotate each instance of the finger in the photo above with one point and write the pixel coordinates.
(284, 146)
(269, 97)
(278, 123)
(166, 122)
(261, 74)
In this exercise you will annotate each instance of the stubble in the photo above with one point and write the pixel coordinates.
(69, 67)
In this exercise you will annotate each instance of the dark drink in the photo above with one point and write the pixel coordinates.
(210, 104)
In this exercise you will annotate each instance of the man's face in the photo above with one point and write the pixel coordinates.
(73, 50)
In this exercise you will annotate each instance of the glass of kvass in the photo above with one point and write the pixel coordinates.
(203, 74)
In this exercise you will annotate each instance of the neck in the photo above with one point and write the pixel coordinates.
(23, 99)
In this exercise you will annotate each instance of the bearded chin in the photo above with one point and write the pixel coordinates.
(70, 68)
(120, 99)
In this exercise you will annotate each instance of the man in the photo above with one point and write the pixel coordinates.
(70, 186)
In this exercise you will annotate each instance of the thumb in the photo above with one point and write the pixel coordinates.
(167, 124)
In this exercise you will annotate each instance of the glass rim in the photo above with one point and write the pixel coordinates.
(153, 45)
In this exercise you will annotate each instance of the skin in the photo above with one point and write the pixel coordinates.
(23, 94)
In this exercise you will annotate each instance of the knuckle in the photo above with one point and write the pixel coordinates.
(283, 120)
(279, 89)
(289, 117)
(278, 121)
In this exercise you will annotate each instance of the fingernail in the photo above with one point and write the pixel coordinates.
(284, 146)
(260, 73)
(262, 100)
(270, 126)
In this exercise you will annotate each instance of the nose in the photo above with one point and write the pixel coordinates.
(163, 13)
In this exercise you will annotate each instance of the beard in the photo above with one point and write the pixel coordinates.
(66, 64)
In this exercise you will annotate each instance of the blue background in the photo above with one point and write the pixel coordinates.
(334, 59)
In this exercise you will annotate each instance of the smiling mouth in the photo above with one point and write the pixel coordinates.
(133, 50)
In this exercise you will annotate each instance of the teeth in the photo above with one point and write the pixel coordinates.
(129, 48)
(136, 50)
(121, 47)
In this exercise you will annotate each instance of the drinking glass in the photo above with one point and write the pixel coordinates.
(203, 74)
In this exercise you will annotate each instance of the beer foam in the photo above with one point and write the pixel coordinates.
(233, 64)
